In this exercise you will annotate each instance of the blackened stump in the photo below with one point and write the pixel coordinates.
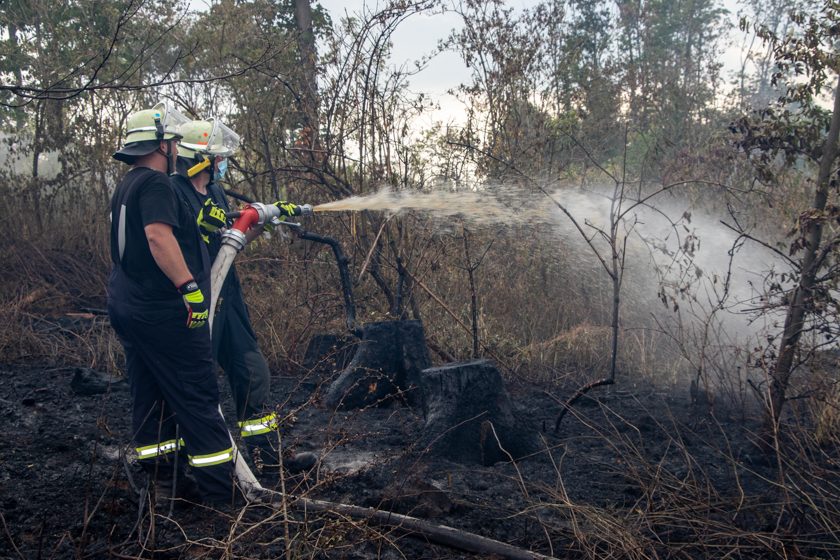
(88, 382)
(469, 414)
(387, 364)
(329, 352)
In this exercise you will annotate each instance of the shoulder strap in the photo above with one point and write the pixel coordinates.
(217, 193)
(185, 190)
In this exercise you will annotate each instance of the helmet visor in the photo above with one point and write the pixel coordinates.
(223, 141)
(170, 118)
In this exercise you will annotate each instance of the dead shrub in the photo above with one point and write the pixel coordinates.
(581, 348)
(827, 415)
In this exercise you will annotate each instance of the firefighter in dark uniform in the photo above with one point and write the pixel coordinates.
(203, 154)
(158, 299)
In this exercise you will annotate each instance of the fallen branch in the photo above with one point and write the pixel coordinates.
(577, 396)
(439, 534)
(9, 536)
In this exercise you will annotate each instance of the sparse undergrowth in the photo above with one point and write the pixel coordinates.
(639, 471)
(632, 474)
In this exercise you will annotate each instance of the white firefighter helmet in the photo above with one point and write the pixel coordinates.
(211, 137)
(147, 128)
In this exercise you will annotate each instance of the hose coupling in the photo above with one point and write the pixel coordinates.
(235, 239)
(265, 212)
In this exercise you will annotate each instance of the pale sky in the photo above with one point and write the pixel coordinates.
(417, 36)
(420, 34)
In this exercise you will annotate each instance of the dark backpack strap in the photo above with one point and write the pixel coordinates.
(217, 193)
(189, 200)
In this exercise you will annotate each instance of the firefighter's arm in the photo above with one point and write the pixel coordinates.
(167, 253)
(169, 258)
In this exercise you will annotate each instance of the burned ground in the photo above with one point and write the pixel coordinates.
(633, 473)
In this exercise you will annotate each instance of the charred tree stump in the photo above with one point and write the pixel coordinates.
(329, 352)
(470, 417)
(87, 382)
(387, 364)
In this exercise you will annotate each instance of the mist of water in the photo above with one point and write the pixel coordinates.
(715, 275)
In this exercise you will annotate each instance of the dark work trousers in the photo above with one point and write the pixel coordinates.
(170, 370)
(236, 351)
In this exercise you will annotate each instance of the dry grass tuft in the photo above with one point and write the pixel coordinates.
(581, 348)
(827, 414)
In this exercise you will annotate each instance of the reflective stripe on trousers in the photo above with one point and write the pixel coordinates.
(211, 459)
(158, 449)
(258, 426)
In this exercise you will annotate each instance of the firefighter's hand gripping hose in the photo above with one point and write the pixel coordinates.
(291, 209)
(288, 209)
(211, 217)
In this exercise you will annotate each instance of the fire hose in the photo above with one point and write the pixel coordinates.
(233, 241)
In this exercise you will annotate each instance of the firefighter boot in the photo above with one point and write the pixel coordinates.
(178, 492)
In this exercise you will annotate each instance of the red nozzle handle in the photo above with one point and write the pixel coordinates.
(248, 216)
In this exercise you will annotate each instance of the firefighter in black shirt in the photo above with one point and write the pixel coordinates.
(158, 300)
(202, 156)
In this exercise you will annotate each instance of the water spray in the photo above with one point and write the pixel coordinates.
(481, 207)
(657, 241)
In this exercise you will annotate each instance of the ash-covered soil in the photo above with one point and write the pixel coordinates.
(633, 472)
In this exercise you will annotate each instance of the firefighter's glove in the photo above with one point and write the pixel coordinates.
(290, 209)
(211, 218)
(198, 308)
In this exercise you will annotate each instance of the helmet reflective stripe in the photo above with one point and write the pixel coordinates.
(212, 458)
(258, 426)
(158, 449)
(197, 147)
(144, 128)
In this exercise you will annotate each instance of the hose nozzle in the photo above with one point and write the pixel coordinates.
(306, 210)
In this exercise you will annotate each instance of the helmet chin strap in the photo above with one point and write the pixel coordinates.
(202, 163)
(160, 134)
(170, 164)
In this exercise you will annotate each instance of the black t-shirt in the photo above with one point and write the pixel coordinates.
(143, 197)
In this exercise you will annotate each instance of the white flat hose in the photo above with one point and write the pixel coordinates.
(247, 481)
(221, 267)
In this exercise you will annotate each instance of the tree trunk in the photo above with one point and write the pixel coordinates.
(813, 229)
(308, 82)
(473, 294)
